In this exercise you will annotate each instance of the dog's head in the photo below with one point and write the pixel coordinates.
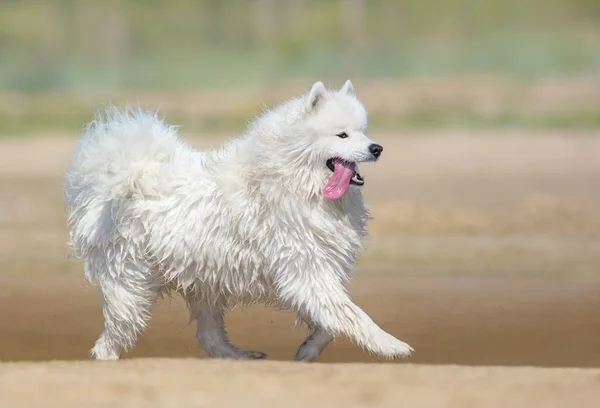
(337, 121)
(314, 143)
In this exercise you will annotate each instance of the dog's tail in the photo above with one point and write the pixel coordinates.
(118, 151)
(121, 154)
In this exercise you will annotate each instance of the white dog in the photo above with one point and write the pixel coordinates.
(276, 216)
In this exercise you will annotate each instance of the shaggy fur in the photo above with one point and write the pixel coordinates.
(243, 224)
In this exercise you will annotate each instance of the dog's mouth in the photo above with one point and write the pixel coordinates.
(344, 174)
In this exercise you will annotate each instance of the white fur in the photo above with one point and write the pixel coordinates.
(243, 224)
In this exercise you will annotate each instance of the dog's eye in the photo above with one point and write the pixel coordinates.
(342, 135)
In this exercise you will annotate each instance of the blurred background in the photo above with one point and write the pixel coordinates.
(70, 45)
(125, 48)
(486, 236)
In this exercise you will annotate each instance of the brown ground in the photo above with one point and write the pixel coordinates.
(485, 250)
(175, 383)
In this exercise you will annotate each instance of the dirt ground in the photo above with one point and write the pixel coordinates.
(485, 251)
(169, 383)
(474, 321)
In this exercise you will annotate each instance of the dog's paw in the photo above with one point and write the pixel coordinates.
(233, 353)
(392, 348)
(253, 355)
(402, 350)
(104, 350)
(308, 352)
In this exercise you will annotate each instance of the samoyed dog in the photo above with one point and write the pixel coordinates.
(276, 216)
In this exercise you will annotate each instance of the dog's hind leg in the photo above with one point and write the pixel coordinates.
(212, 336)
(126, 304)
(314, 345)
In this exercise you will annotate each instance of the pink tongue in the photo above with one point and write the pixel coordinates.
(339, 181)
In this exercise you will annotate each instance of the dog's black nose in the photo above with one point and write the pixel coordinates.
(376, 150)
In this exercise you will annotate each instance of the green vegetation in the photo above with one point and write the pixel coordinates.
(72, 122)
(109, 44)
(61, 58)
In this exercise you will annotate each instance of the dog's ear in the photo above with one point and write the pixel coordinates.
(348, 88)
(315, 96)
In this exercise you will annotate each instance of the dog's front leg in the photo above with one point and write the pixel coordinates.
(325, 304)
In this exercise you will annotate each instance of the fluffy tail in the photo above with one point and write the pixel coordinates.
(120, 155)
